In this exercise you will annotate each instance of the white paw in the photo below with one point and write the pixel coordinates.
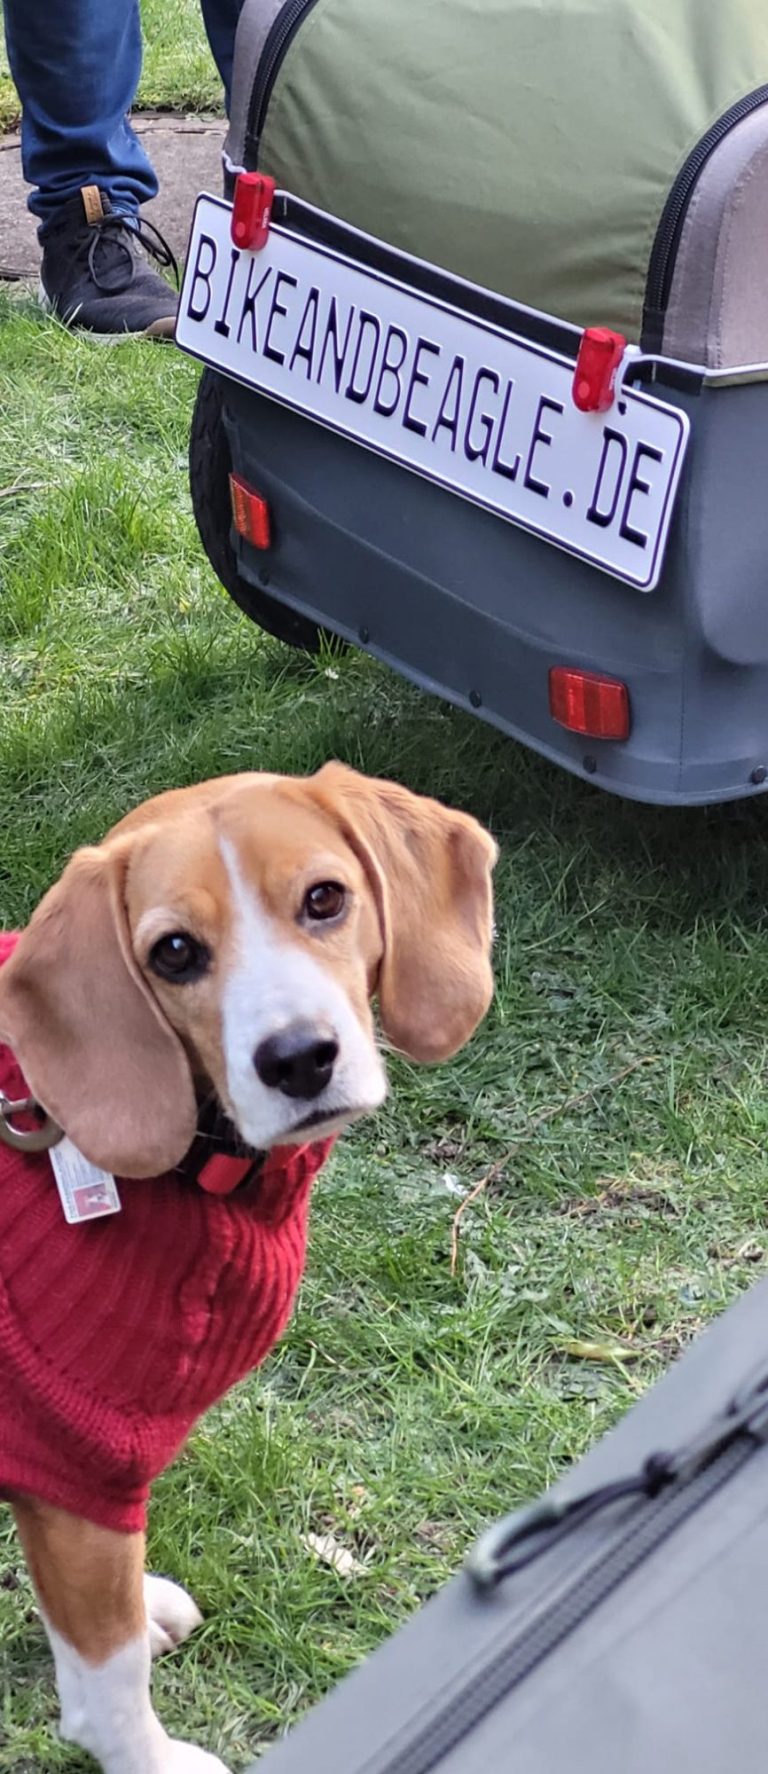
(186, 1758)
(171, 1616)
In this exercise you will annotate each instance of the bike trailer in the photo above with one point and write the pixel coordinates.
(620, 1623)
(488, 385)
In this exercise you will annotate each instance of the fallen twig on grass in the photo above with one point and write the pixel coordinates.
(20, 486)
(550, 1114)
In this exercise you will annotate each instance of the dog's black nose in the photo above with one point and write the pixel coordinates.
(298, 1060)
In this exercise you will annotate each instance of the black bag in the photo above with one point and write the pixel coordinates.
(618, 1625)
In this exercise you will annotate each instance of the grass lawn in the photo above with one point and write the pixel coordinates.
(406, 1406)
(178, 73)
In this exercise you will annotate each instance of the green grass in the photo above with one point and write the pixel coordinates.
(178, 72)
(406, 1406)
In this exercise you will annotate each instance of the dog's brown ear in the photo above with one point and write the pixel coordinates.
(93, 1044)
(430, 872)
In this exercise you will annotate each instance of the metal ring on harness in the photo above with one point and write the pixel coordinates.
(34, 1139)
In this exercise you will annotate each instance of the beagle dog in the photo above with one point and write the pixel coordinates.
(186, 1026)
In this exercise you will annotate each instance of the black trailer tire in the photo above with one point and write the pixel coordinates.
(210, 464)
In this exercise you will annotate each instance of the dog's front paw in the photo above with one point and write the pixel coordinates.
(186, 1758)
(171, 1616)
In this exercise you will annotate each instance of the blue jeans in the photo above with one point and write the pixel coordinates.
(76, 66)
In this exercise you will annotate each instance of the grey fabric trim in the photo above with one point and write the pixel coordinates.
(718, 308)
(743, 268)
(255, 23)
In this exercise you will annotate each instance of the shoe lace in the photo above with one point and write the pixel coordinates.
(111, 253)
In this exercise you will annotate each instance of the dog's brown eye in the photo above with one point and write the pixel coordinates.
(325, 900)
(179, 957)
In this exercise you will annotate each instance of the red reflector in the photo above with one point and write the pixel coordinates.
(252, 209)
(250, 513)
(586, 703)
(600, 354)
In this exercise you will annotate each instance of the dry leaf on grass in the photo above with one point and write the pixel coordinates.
(584, 1350)
(330, 1550)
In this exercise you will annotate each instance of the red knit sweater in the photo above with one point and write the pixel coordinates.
(116, 1334)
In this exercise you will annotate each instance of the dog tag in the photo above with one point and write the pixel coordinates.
(85, 1192)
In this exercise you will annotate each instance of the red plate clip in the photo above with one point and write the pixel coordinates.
(594, 381)
(252, 210)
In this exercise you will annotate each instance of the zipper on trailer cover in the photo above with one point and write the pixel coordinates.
(280, 35)
(669, 1487)
(661, 265)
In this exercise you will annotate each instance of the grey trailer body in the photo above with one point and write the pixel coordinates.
(464, 602)
(635, 1636)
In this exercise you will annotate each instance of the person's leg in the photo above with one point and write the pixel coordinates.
(76, 64)
(220, 19)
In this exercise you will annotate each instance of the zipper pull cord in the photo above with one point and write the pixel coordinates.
(520, 1538)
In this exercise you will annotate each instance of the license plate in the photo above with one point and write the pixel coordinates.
(471, 406)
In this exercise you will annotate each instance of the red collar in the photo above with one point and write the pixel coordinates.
(217, 1159)
(222, 1175)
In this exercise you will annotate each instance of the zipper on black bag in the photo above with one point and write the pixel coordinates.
(667, 1489)
(278, 39)
(664, 252)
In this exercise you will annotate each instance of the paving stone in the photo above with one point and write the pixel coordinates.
(186, 154)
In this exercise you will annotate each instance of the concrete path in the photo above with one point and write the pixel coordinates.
(186, 154)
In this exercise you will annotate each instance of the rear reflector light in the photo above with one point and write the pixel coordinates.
(594, 379)
(250, 513)
(252, 210)
(586, 703)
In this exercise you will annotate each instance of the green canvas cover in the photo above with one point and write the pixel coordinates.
(528, 145)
